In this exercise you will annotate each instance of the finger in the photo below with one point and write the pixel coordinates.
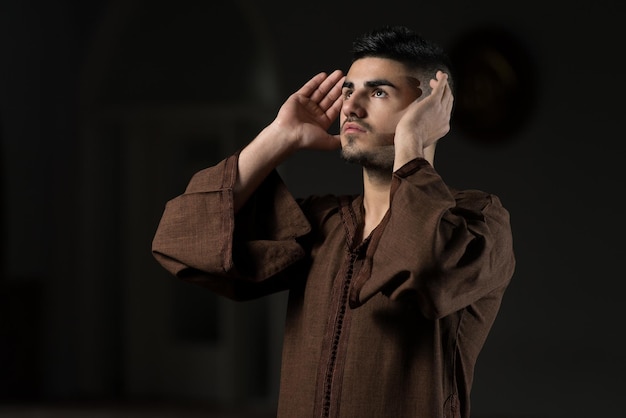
(334, 109)
(327, 85)
(448, 97)
(441, 86)
(447, 92)
(438, 84)
(449, 104)
(333, 96)
(436, 79)
(310, 87)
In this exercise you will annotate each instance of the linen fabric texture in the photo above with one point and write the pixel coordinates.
(388, 326)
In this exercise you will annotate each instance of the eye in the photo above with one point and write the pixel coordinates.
(346, 94)
(380, 93)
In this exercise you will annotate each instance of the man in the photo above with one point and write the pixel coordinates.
(392, 292)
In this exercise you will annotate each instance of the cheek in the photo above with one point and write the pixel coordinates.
(389, 122)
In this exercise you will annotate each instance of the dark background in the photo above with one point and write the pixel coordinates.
(108, 107)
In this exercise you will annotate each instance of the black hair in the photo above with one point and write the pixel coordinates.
(402, 44)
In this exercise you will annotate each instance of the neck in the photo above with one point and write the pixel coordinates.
(376, 186)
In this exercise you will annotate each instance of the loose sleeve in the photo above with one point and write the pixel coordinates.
(200, 239)
(447, 249)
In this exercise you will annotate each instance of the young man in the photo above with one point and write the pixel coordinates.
(391, 293)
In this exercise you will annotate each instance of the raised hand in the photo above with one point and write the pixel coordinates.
(302, 122)
(424, 122)
(308, 113)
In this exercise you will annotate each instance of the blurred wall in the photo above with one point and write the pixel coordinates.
(107, 108)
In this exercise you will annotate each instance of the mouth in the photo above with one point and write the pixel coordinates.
(352, 127)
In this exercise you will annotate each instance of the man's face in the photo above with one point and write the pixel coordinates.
(376, 93)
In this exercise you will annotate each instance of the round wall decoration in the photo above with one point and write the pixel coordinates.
(494, 84)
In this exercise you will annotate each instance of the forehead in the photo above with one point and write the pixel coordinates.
(371, 68)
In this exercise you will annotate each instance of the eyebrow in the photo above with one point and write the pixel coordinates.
(371, 83)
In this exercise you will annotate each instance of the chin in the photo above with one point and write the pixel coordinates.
(381, 160)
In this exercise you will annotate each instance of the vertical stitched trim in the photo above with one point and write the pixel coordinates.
(334, 347)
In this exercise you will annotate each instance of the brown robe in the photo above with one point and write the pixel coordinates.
(390, 326)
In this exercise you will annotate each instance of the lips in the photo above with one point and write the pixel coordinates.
(352, 127)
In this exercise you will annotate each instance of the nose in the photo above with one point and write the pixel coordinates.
(353, 106)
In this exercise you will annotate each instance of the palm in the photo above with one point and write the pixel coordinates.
(427, 120)
(310, 111)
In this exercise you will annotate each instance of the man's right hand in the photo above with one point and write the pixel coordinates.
(301, 123)
(308, 113)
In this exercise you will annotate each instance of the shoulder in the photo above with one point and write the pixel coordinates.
(478, 201)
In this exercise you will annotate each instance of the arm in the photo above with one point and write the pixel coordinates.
(201, 239)
(445, 249)
(302, 123)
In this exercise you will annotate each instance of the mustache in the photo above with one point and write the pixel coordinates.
(357, 121)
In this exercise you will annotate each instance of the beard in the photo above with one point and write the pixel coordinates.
(379, 160)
